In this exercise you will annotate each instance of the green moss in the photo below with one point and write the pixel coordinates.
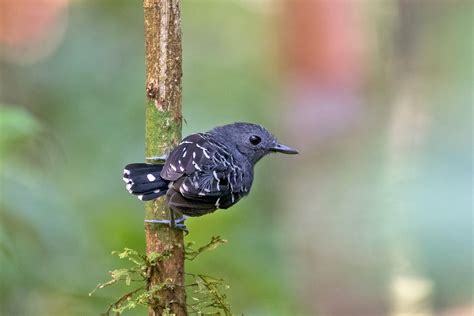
(162, 134)
(162, 130)
(207, 293)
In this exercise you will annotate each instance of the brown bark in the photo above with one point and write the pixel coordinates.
(163, 132)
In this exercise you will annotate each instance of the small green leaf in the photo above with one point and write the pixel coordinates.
(207, 292)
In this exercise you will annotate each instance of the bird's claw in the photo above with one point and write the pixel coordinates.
(182, 227)
(173, 223)
(161, 158)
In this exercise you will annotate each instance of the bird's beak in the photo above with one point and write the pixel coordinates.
(283, 149)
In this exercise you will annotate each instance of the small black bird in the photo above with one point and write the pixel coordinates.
(205, 172)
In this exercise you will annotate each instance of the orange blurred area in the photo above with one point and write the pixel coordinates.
(323, 39)
(26, 26)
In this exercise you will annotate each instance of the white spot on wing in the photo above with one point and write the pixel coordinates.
(217, 202)
(181, 168)
(196, 166)
(156, 191)
(151, 177)
(194, 154)
(201, 194)
(184, 153)
(128, 187)
(126, 171)
(204, 151)
(172, 167)
(185, 187)
(214, 173)
(140, 197)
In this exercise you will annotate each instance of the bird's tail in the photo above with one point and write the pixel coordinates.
(144, 181)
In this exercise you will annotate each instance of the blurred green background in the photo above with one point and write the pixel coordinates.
(374, 217)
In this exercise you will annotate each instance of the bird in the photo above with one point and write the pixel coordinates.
(205, 171)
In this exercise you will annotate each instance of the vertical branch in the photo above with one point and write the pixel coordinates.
(163, 132)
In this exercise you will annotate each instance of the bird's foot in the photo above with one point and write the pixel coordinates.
(161, 158)
(173, 223)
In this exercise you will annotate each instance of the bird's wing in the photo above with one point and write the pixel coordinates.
(204, 174)
(192, 200)
(189, 156)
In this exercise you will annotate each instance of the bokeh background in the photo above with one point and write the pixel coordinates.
(374, 217)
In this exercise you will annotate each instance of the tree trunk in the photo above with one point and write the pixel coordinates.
(163, 132)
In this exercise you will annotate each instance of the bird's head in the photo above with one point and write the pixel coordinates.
(251, 140)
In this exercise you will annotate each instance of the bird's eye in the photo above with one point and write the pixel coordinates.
(255, 140)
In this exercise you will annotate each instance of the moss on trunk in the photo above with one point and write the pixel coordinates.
(163, 132)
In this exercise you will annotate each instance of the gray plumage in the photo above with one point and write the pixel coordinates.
(206, 171)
